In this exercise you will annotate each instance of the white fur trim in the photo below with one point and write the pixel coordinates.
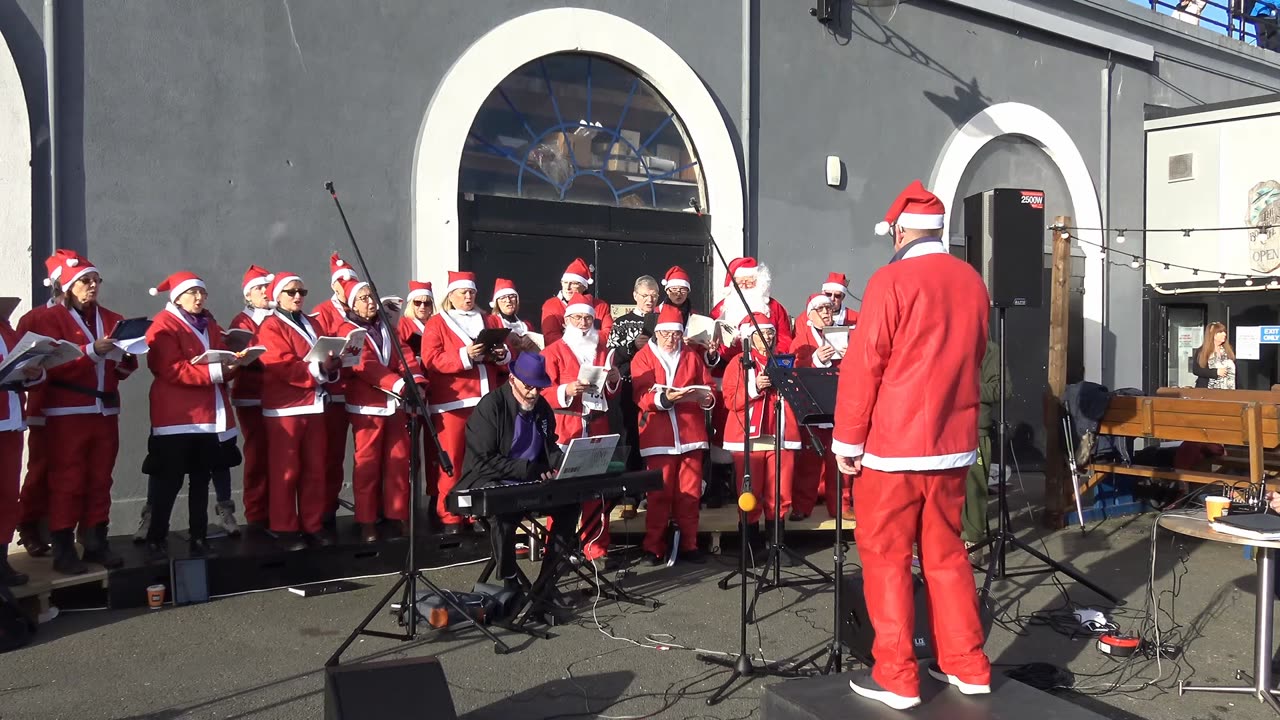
(677, 283)
(746, 271)
(73, 262)
(668, 326)
(579, 309)
(183, 287)
(355, 289)
(834, 287)
(570, 277)
(819, 301)
(460, 285)
(882, 228)
(419, 293)
(921, 221)
(78, 274)
(343, 274)
(501, 294)
(841, 449)
(260, 280)
(749, 326)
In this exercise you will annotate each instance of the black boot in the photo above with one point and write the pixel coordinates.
(29, 537)
(8, 576)
(199, 546)
(787, 557)
(65, 558)
(96, 549)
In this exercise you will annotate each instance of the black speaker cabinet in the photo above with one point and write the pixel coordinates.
(857, 635)
(392, 690)
(1004, 239)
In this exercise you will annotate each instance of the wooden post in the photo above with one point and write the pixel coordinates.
(1058, 495)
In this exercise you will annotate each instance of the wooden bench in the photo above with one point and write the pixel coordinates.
(1251, 424)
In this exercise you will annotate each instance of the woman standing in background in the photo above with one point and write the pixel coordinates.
(1215, 364)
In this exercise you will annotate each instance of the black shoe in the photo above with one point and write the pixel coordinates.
(654, 560)
(291, 541)
(393, 530)
(797, 516)
(200, 547)
(695, 556)
(368, 533)
(96, 549)
(65, 558)
(8, 576)
(30, 538)
(324, 538)
(863, 684)
(156, 551)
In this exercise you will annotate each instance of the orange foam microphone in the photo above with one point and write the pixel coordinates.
(747, 501)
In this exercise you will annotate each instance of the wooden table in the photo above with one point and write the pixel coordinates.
(1197, 526)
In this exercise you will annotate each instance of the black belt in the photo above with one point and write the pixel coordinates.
(109, 399)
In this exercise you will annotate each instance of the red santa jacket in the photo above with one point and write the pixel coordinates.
(87, 385)
(778, 315)
(908, 397)
(11, 416)
(805, 347)
(35, 395)
(764, 411)
(453, 381)
(668, 430)
(329, 317)
(553, 318)
(186, 398)
(562, 368)
(409, 330)
(377, 371)
(246, 390)
(290, 386)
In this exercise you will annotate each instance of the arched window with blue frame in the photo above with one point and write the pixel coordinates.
(583, 129)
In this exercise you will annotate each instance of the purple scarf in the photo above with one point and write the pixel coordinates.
(199, 322)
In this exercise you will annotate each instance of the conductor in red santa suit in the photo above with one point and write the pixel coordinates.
(506, 305)
(193, 431)
(380, 481)
(460, 371)
(330, 316)
(82, 410)
(575, 280)
(579, 410)
(246, 397)
(11, 428)
(816, 475)
(906, 425)
(293, 407)
(757, 442)
(669, 381)
(837, 288)
(756, 284)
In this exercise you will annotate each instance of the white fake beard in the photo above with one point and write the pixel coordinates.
(584, 344)
(757, 301)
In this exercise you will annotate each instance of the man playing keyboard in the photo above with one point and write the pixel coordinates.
(511, 438)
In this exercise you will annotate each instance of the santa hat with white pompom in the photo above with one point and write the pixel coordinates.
(339, 270)
(915, 208)
(178, 283)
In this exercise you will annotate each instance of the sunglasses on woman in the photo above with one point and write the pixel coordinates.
(422, 303)
(300, 292)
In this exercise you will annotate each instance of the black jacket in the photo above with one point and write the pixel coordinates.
(490, 431)
(1203, 374)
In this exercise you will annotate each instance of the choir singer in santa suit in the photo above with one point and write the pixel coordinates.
(11, 428)
(837, 288)
(580, 411)
(671, 386)
(756, 283)
(293, 407)
(246, 398)
(460, 371)
(576, 279)
(506, 305)
(906, 426)
(420, 305)
(816, 475)
(380, 480)
(82, 411)
(329, 317)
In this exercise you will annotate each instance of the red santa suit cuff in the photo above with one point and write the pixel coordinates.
(843, 449)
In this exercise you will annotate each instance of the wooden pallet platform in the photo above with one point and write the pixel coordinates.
(44, 580)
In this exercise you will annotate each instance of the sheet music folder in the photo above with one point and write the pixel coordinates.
(809, 392)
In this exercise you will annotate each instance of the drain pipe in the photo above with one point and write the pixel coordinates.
(744, 126)
(51, 100)
(1104, 192)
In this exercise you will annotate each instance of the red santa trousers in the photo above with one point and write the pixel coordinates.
(296, 472)
(380, 481)
(35, 487)
(10, 474)
(335, 462)
(452, 429)
(763, 472)
(894, 511)
(816, 478)
(80, 482)
(254, 432)
(678, 498)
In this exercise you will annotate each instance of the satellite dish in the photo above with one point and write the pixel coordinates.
(882, 10)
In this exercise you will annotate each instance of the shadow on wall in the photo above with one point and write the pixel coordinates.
(23, 39)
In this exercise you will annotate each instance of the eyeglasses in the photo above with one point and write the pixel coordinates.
(295, 292)
(197, 292)
(647, 296)
(422, 303)
(835, 296)
(366, 299)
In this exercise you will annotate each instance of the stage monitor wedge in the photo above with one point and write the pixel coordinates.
(392, 690)
(1004, 233)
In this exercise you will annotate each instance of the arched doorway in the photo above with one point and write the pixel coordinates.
(511, 49)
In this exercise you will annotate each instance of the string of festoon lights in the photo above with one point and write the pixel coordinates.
(1138, 260)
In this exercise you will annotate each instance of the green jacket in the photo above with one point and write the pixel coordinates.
(989, 388)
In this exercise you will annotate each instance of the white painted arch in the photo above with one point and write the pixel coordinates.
(504, 49)
(15, 186)
(1014, 118)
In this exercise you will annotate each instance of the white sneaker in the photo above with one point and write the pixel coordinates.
(227, 518)
(966, 688)
(144, 525)
(864, 685)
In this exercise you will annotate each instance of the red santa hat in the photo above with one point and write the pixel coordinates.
(676, 277)
(255, 276)
(741, 267)
(351, 286)
(747, 327)
(53, 265)
(578, 271)
(71, 267)
(339, 270)
(177, 283)
(419, 289)
(915, 208)
(502, 287)
(278, 284)
(669, 319)
(578, 305)
(836, 283)
(460, 281)
(818, 300)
